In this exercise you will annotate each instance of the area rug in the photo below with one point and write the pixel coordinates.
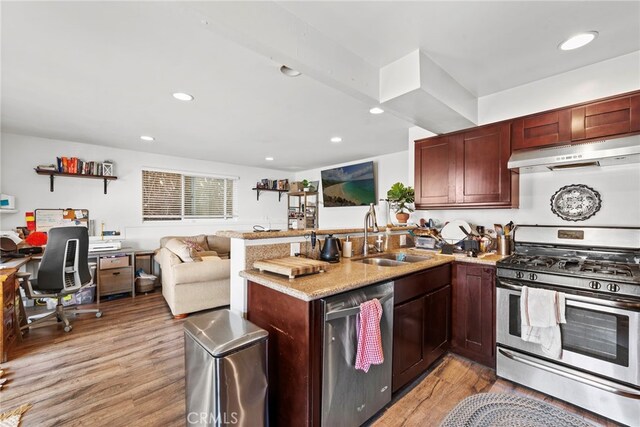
(508, 410)
(12, 418)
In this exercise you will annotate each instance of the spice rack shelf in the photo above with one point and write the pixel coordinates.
(53, 174)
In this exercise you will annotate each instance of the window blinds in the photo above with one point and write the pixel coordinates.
(170, 196)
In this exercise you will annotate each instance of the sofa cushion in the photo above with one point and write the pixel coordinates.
(222, 245)
(184, 251)
(205, 271)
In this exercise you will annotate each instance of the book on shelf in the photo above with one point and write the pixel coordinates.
(73, 165)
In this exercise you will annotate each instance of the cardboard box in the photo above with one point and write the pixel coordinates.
(296, 186)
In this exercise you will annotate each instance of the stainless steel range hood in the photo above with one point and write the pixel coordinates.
(588, 154)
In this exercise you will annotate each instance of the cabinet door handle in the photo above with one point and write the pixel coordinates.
(116, 273)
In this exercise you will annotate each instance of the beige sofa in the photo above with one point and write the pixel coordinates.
(190, 286)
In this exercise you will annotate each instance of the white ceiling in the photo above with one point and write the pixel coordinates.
(487, 46)
(103, 73)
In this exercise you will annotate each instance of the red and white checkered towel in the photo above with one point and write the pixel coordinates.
(369, 338)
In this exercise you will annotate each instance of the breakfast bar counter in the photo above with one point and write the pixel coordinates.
(351, 274)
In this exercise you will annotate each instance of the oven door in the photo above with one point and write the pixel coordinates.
(600, 336)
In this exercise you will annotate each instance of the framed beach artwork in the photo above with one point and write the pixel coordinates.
(352, 185)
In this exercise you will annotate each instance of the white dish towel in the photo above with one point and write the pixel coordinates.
(542, 311)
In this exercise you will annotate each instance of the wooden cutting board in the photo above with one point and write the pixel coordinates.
(291, 266)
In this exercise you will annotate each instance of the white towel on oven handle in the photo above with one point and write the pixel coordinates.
(541, 312)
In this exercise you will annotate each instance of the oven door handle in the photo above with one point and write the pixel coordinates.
(597, 384)
(618, 303)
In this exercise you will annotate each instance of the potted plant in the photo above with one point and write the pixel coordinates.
(399, 196)
(305, 184)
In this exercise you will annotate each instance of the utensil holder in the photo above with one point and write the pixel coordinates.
(504, 245)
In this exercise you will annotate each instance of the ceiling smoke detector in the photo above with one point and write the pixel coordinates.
(289, 72)
(578, 40)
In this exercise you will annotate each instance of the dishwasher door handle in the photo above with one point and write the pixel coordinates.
(346, 312)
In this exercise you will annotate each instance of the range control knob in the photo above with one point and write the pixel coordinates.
(594, 285)
(613, 287)
(533, 276)
(519, 274)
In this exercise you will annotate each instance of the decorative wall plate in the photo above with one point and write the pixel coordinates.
(575, 202)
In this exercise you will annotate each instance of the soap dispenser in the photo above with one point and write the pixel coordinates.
(347, 250)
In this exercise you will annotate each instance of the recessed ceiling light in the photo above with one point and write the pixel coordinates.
(578, 40)
(376, 110)
(290, 72)
(269, 159)
(183, 96)
(336, 139)
(147, 138)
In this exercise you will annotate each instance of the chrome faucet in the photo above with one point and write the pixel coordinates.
(369, 221)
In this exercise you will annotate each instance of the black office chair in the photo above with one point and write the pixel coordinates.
(64, 270)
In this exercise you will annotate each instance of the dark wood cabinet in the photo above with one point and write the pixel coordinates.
(473, 317)
(541, 130)
(606, 118)
(435, 171)
(466, 170)
(613, 116)
(295, 354)
(421, 323)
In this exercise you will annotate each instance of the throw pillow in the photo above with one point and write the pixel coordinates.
(181, 249)
(193, 245)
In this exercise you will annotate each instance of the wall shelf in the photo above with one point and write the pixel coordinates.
(259, 190)
(8, 211)
(53, 174)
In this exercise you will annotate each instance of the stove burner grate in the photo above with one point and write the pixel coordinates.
(606, 268)
(532, 261)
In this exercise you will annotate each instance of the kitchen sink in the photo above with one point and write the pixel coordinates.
(382, 262)
(394, 260)
(402, 257)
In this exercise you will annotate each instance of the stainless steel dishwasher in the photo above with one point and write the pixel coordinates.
(349, 396)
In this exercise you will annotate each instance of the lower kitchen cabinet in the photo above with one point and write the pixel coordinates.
(421, 324)
(473, 317)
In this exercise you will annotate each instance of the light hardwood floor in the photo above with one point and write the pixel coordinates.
(127, 369)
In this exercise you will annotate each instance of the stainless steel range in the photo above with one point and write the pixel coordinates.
(598, 271)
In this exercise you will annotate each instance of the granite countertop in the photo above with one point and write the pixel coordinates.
(349, 274)
(253, 235)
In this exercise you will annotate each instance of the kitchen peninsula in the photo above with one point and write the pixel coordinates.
(294, 311)
(250, 246)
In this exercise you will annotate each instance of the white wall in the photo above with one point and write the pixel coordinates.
(619, 186)
(121, 208)
(606, 78)
(389, 169)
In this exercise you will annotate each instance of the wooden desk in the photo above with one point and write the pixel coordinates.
(8, 326)
(17, 263)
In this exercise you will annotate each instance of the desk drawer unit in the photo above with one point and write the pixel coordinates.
(115, 280)
(107, 263)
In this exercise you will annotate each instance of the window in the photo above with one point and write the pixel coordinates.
(174, 196)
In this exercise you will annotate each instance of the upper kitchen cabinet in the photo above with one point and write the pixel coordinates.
(607, 118)
(435, 167)
(614, 116)
(466, 170)
(541, 130)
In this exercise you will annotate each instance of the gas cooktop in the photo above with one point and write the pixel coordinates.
(605, 269)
